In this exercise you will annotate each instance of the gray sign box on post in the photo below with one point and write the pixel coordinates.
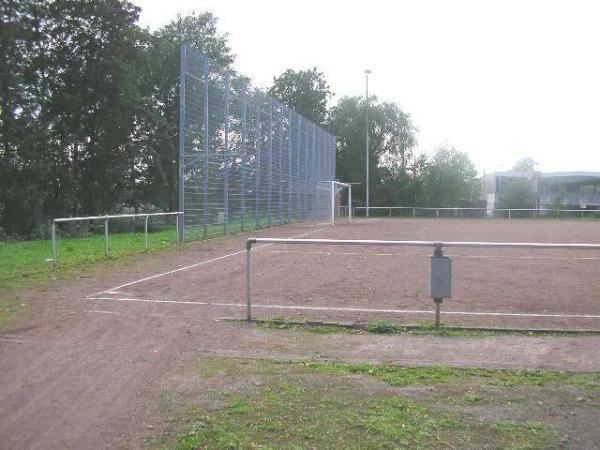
(440, 284)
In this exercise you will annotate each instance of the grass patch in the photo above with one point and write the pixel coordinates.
(30, 260)
(403, 376)
(296, 410)
(385, 327)
(25, 260)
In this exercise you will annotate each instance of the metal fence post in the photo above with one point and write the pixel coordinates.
(177, 222)
(106, 247)
(54, 261)
(414, 212)
(509, 214)
(258, 146)
(437, 213)
(206, 150)
(182, 130)
(270, 171)
(289, 213)
(243, 162)
(332, 203)
(298, 148)
(350, 203)
(226, 160)
(280, 162)
(248, 280)
(146, 232)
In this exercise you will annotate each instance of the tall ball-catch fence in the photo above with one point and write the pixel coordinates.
(246, 160)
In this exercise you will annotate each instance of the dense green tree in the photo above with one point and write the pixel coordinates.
(392, 138)
(158, 129)
(306, 91)
(65, 119)
(450, 179)
(90, 108)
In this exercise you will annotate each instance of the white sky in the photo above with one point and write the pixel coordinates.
(498, 79)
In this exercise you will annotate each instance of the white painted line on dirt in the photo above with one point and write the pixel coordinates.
(342, 309)
(201, 263)
(450, 255)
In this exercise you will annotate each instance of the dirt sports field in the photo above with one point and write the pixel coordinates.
(86, 366)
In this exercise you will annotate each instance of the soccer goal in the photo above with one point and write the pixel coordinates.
(341, 202)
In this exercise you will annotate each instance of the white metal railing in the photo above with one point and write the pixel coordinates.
(106, 219)
(490, 211)
(437, 246)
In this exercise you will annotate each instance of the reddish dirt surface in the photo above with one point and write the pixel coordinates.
(525, 288)
(86, 373)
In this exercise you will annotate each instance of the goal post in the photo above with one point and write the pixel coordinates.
(337, 188)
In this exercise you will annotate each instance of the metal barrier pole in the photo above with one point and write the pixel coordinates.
(437, 213)
(333, 203)
(350, 203)
(414, 212)
(248, 280)
(54, 261)
(177, 226)
(146, 232)
(509, 214)
(106, 248)
(437, 253)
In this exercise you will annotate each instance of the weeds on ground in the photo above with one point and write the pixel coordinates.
(386, 327)
(297, 410)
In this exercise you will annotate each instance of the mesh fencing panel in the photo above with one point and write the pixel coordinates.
(246, 160)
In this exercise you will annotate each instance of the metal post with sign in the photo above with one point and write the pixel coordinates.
(440, 283)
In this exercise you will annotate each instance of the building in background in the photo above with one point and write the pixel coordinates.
(558, 190)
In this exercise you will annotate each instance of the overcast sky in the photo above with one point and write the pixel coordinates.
(498, 79)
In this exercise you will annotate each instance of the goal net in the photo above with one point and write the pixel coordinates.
(341, 201)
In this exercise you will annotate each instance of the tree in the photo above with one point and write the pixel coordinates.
(306, 91)
(450, 179)
(66, 119)
(392, 137)
(158, 130)
(518, 193)
(525, 165)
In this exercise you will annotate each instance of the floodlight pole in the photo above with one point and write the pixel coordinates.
(367, 72)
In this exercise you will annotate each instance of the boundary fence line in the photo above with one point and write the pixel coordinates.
(490, 211)
(436, 245)
(106, 219)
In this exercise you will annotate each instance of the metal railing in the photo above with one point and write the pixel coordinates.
(106, 219)
(436, 245)
(490, 212)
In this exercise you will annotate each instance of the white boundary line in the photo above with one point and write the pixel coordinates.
(342, 309)
(198, 264)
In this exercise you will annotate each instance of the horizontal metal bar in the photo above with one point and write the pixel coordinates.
(423, 243)
(79, 219)
(428, 208)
